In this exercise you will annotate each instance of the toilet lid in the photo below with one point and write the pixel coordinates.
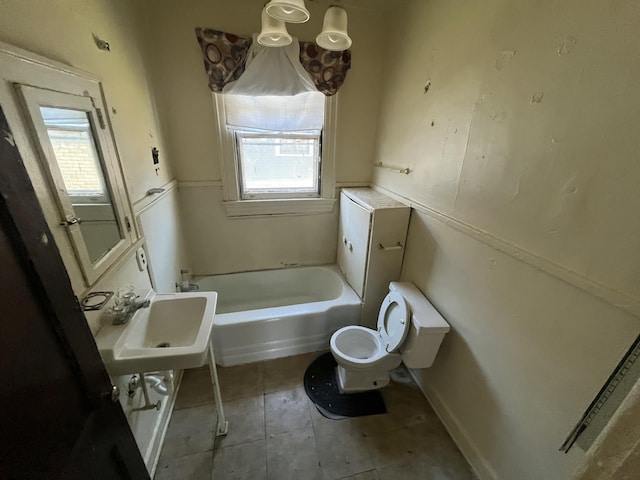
(393, 321)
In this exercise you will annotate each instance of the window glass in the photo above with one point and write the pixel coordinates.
(72, 141)
(279, 162)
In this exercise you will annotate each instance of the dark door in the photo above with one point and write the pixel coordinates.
(57, 416)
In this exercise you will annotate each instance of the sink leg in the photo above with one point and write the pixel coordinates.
(222, 424)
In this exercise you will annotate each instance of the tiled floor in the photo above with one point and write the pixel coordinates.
(276, 433)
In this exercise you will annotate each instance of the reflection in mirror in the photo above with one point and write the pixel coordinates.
(75, 150)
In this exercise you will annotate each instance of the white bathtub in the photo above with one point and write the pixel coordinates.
(277, 313)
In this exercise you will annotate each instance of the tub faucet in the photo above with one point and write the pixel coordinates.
(126, 307)
(185, 285)
(189, 287)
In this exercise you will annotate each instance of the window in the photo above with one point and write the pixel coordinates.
(277, 153)
(278, 164)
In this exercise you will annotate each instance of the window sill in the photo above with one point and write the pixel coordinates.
(296, 206)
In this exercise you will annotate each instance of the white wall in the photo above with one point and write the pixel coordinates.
(161, 226)
(526, 234)
(217, 243)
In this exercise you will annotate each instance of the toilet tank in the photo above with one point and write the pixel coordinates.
(427, 329)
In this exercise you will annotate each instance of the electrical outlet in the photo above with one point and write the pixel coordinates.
(141, 258)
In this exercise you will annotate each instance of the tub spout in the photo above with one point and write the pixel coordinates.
(189, 287)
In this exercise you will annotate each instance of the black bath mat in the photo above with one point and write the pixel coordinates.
(321, 385)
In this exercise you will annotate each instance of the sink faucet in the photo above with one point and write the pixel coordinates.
(125, 307)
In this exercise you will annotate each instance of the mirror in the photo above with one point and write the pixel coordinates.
(77, 154)
(77, 157)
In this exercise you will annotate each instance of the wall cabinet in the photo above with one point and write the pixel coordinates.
(371, 241)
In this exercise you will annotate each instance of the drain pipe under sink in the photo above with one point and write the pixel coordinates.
(158, 382)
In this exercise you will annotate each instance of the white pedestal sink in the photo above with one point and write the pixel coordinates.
(173, 333)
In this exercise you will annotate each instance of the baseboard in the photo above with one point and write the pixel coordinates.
(478, 463)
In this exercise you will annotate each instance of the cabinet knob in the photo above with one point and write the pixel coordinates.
(350, 246)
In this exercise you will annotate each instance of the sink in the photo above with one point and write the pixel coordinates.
(173, 333)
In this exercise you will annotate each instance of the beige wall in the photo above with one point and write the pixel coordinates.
(62, 30)
(218, 243)
(524, 173)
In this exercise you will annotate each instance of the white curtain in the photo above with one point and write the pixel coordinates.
(273, 71)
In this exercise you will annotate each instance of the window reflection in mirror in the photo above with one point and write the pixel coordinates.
(75, 150)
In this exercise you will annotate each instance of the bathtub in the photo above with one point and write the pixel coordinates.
(276, 313)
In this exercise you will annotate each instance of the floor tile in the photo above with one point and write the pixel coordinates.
(189, 467)
(275, 431)
(191, 431)
(286, 411)
(370, 475)
(408, 406)
(409, 444)
(293, 456)
(288, 372)
(422, 470)
(342, 449)
(241, 462)
(240, 381)
(195, 389)
(407, 470)
(246, 421)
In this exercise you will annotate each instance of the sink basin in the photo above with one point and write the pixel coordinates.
(173, 333)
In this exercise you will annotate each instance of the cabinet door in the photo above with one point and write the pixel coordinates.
(388, 238)
(353, 242)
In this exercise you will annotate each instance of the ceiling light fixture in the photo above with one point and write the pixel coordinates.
(334, 34)
(292, 11)
(274, 32)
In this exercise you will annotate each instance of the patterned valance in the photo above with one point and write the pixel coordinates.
(225, 55)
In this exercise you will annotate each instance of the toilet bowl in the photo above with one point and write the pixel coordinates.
(409, 329)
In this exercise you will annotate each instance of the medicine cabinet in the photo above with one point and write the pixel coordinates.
(78, 159)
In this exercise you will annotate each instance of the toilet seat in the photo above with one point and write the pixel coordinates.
(361, 347)
(393, 321)
(356, 346)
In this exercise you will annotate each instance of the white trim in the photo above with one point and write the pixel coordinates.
(147, 201)
(39, 60)
(616, 298)
(328, 179)
(218, 184)
(228, 160)
(298, 206)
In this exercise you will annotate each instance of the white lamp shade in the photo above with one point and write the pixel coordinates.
(292, 11)
(274, 32)
(334, 34)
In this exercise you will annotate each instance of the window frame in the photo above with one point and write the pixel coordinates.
(236, 206)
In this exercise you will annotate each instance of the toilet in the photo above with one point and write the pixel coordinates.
(410, 330)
